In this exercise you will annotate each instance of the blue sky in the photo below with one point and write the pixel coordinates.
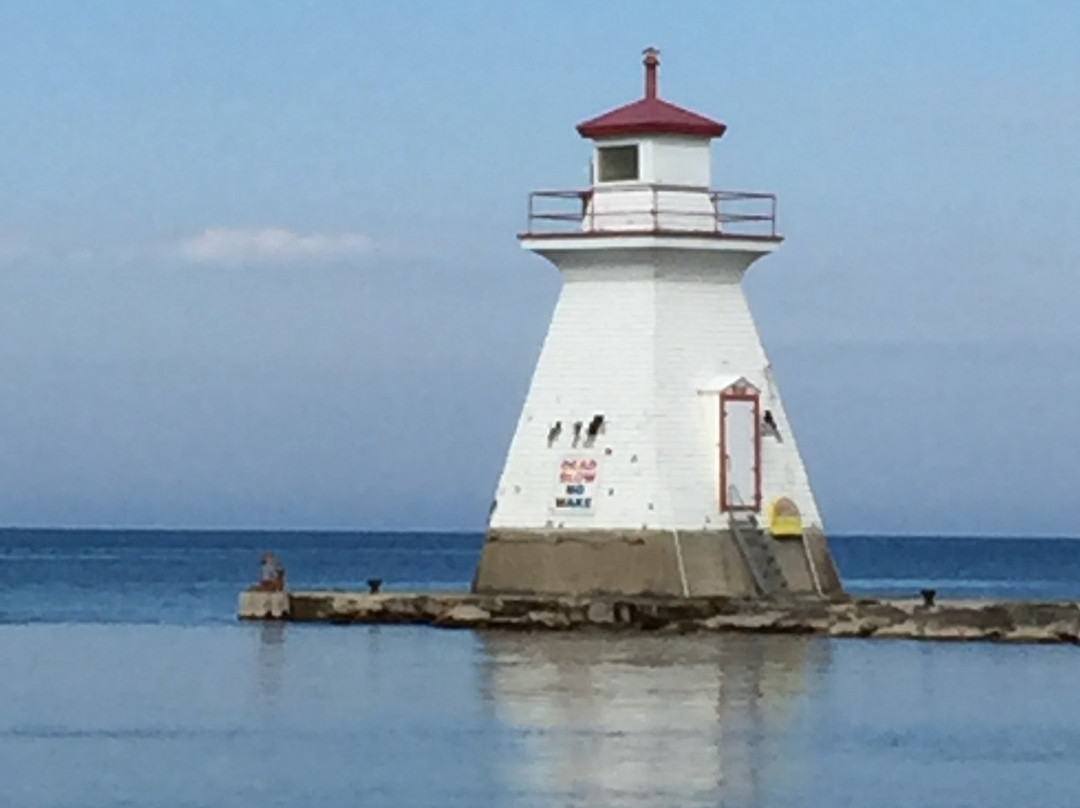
(258, 266)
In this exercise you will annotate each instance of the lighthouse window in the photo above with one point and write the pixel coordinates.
(617, 163)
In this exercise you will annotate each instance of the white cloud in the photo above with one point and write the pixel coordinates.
(270, 245)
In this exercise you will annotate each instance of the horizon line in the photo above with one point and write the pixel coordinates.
(475, 531)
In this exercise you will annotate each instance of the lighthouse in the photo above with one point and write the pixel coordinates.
(653, 454)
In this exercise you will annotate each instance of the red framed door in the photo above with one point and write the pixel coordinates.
(740, 451)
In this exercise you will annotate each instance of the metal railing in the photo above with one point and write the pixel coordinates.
(734, 213)
(736, 504)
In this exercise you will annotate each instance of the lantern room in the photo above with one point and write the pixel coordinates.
(651, 140)
(650, 172)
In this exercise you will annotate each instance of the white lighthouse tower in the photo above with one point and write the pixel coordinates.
(653, 454)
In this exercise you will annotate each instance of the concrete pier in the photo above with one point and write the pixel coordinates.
(257, 605)
(1000, 621)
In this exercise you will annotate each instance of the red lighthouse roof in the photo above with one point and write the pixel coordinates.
(650, 115)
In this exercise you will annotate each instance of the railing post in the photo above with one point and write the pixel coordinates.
(774, 215)
(655, 209)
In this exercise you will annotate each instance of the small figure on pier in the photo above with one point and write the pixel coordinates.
(271, 574)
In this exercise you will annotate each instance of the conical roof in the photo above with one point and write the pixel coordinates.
(650, 115)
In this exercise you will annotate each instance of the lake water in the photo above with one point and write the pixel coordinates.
(127, 682)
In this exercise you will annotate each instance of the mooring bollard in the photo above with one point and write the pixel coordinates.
(373, 585)
(928, 596)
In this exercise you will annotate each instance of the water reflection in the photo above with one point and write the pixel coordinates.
(647, 720)
(271, 659)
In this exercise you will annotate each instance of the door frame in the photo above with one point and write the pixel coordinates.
(754, 503)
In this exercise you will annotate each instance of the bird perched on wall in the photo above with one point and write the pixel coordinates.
(770, 425)
(594, 429)
(554, 432)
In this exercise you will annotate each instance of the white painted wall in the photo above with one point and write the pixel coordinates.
(666, 159)
(680, 161)
(638, 335)
(639, 205)
(616, 207)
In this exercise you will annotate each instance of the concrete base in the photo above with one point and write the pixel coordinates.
(665, 563)
(264, 606)
(820, 558)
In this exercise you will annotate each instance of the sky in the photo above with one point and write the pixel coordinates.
(258, 264)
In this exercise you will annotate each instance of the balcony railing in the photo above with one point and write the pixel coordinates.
(659, 209)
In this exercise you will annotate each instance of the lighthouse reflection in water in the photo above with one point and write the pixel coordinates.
(648, 720)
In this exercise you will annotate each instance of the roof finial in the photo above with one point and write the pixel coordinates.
(652, 59)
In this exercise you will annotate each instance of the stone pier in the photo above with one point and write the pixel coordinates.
(1000, 621)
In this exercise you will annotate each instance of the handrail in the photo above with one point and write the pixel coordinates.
(734, 498)
(736, 213)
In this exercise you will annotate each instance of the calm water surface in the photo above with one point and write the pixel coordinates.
(126, 682)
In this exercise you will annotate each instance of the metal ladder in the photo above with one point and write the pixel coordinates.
(757, 552)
